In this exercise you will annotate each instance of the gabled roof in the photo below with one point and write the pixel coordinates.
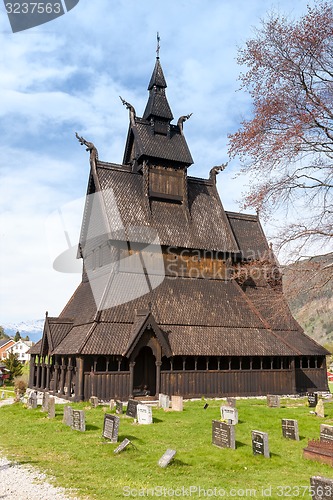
(249, 235)
(139, 327)
(4, 342)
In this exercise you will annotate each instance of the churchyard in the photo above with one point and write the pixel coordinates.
(81, 454)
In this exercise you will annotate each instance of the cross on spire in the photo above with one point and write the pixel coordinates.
(158, 46)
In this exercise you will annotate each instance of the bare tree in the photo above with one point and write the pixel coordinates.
(287, 146)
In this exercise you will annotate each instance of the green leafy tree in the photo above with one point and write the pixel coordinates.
(3, 335)
(14, 366)
(17, 336)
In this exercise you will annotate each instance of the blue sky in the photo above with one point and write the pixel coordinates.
(66, 76)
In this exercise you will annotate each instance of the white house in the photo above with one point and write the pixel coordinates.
(21, 348)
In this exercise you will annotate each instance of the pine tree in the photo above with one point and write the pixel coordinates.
(14, 366)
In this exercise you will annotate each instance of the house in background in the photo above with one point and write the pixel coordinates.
(177, 295)
(21, 348)
(4, 345)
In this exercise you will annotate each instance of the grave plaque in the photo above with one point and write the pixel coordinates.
(122, 446)
(229, 414)
(290, 429)
(206, 406)
(231, 402)
(131, 410)
(111, 427)
(119, 407)
(45, 402)
(312, 399)
(326, 433)
(94, 401)
(321, 488)
(144, 413)
(166, 458)
(273, 401)
(164, 401)
(68, 416)
(223, 435)
(260, 443)
(79, 421)
(51, 407)
(177, 403)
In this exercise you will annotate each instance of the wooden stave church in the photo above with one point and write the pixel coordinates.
(216, 325)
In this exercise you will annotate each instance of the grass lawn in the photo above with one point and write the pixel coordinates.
(83, 460)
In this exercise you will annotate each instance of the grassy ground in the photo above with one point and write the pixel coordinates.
(85, 462)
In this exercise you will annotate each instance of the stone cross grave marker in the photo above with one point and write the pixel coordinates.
(94, 401)
(231, 402)
(223, 435)
(229, 414)
(326, 433)
(164, 401)
(321, 488)
(260, 443)
(131, 410)
(45, 402)
(166, 458)
(122, 445)
(68, 416)
(273, 401)
(145, 415)
(312, 399)
(290, 429)
(79, 421)
(51, 407)
(111, 427)
(177, 403)
(119, 407)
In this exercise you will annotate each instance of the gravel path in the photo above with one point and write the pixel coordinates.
(23, 482)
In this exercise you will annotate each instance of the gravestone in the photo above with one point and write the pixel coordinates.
(68, 416)
(231, 402)
(111, 404)
(79, 421)
(111, 427)
(319, 410)
(290, 429)
(312, 399)
(229, 414)
(321, 488)
(223, 435)
(131, 410)
(206, 406)
(3, 395)
(94, 401)
(119, 407)
(320, 451)
(273, 401)
(144, 413)
(45, 402)
(164, 401)
(51, 407)
(166, 458)
(177, 403)
(326, 433)
(122, 445)
(260, 443)
(32, 401)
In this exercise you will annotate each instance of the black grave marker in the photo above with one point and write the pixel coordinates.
(206, 406)
(111, 427)
(119, 407)
(166, 458)
(321, 488)
(131, 410)
(290, 429)
(260, 443)
(312, 399)
(223, 435)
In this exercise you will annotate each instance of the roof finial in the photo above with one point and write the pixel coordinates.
(158, 46)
